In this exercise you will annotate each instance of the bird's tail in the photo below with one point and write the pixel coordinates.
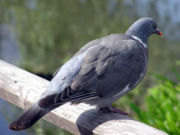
(28, 118)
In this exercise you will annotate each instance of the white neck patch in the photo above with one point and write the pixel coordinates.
(138, 39)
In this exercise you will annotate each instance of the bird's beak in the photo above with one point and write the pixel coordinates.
(158, 32)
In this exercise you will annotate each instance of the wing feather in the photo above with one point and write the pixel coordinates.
(68, 95)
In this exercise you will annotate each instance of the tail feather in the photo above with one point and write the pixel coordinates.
(27, 119)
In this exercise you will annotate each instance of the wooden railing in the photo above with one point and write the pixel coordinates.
(22, 88)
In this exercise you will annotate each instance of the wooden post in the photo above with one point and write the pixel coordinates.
(23, 89)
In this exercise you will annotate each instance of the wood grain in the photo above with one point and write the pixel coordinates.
(22, 88)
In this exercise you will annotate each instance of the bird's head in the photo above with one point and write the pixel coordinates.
(143, 28)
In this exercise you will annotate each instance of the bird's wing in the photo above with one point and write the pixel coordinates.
(103, 71)
(59, 90)
(113, 67)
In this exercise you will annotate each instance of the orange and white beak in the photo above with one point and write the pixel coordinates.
(159, 32)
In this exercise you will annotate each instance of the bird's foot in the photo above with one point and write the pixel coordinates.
(113, 110)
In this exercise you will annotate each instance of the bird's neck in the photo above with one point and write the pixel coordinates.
(142, 37)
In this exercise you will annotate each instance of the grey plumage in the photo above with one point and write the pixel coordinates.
(101, 72)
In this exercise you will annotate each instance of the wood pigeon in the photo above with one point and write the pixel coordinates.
(101, 72)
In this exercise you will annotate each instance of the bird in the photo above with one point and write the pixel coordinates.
(101, 72)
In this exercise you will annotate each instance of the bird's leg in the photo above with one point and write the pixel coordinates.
(113, 110)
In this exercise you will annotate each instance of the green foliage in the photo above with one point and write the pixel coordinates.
(161, 108)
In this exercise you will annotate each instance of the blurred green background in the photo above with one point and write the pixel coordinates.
(40, 35)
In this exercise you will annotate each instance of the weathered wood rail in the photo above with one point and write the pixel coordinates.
(22, 88)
